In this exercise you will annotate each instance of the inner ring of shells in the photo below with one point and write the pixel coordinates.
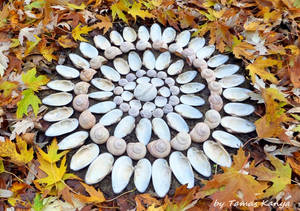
(149, 96)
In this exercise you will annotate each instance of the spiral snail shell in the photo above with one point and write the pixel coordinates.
(136, 151)
(215, 102)
(81, 87)
(159, 148)
(81, 102)
(200, 132)
(97, 62)
(181, 141)
(208, 75)
(99, 134)
(112, 52)
(87, 120)
(142, 45)
(116, 146)
(215, 88)
(160, 45)
(212, 118)
(87, 74)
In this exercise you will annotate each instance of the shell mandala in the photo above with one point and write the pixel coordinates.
(141, 95)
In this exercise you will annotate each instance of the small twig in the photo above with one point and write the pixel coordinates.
(120, 195)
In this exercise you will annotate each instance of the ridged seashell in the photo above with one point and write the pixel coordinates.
(160, 101)
(170, 81)
(143, 131)
(81, 102)
(116, 146)
(78, 61)
(161, 177)
(175, 48)
(226, 70)
(142, 175)
(186, 77)
(136, 151)
(236, 94)
(192, 100)
(215, 88)
(155, 32)
(81, 87)
(125, 47)
(160, 45)
(130, 77)
(99, 168)
(196, 43)
(143, 33)
(99, 134)
(101, 95)
(199, 161)
(58, 114)
(163, 61)
(181, 141)
(227, 139)
(135, 104)
(191, 88)
(157, 82)
(158, 113)
(237, 124)
(182, 169)
(200, 132)
(217, 60)
(121, 66)
(134, 112)
(188, 111)
(61, 85)
(121, 173)
(176, 67)
(103, 84)
(212, 118)
(129, 34)
(205, 52)
(140, 73)
(208, 75)
(110, 73)
(142, 80)
(62, 127)
(238, 109)
(97, 62)
(67, 72)
(58, 99)
(183, 38)
(161, 129)
(87, 120)
(159, 148)
(173, 100)
(103, 107)
(116, 38)
(74, 140)
(164, 91)
(124, 107)
(215, 102)
(130, 85)
(124, 127)
(168, 35)
(217, 153)
(134, 60)
(112, 52)
(174, 90)
(87, 74)
(87, 50)
(142, 45)
(84, 156)
(176, 122)
(149, 60)
(149, 106)
(127, 96)
(145, 92)
(101, 42)
(118, 100)
(168, 108)
(111, 117)
(232, 81)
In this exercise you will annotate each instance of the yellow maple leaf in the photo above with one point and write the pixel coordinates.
(95, 196)
(118, 9)
(82, 6)
(33, 82)
(105, 23)
(66, 42)
(28, 98)
(78, 31)
(242, 49)
(136, 10)
(7, 87)
(47, 51)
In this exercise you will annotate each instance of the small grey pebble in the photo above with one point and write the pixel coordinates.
(122, 82)
(135, 104)
(146, 113)
(162, 75)
(149, 106)
(173, 100)
(133, 112)
(151, 73)
(174, 90)
(124, 107)
(158, 113)
(140, 73)
(130, 77)
(170, 81)
(167, 108)
(118, 100)
(118, 90)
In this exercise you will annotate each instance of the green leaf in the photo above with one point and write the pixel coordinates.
(2, 169)
(297, 3)
(29, 98)
(38, 203)
(35, 5)
(33, 82)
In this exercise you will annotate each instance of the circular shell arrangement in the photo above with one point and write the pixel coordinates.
(147, 86)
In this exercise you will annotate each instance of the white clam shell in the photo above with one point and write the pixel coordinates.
(226, 70)
(236, 94)
(87, 50)
(143, 80)
(161, 129)
(149, 60)
(191, 88)
(143, 131)
(145, 92)
(217, 153)
(237, 124)
(205, 52)
(61, 85)
(125, 47)
(182, 169)
(143, 33)
(58, 99)
(161, 177)
(103, 84)
(176, 122)
(155, 32)
(199, 161)
(67, 72)
(127, 96)
(121, 66)
(110, 73)
(99, 168)
(163, 61)
(176, 67)
(101, 42)
(192, 100)
(188, 111)
(102, 107)
(168, 35)
(227, 139)
(74, 140)
(164, 91)
(62, 127)
(134, 60)
(58, 114)
(124, 127)
(116, 38)
(129, 34)
(183, 38)
(231, 81)
(121, 173)
(100, 95)
(78, 61)
(111, 52)
(84, 156)
(239, 109)
(142, 175)
(142, 45)
(111, 117)
(217, 60)
(186, 77)
(196, 43)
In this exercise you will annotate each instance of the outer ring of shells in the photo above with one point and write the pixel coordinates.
(101, 164)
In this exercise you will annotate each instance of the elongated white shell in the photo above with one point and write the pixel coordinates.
(62, 127)
(217, 60)
(61, 85)
(84, 156)
(183, 38)
(182, 169)
(231, 81)
(176, 67)
(186, 77)
(161, 129)
(205, 52)
(111, 117)
(177, 122)
(236, 94)
(103, 84)
(101, 95)
(143, 33)
(58, 114)
(161, 177)
(142, 175)
(149, 60)
(226, 70)
(217, 153)
(155, 32)
(199, 161)
(124, 127)
(67, 72)
(99, 168)
(121, 173)
(58, 99)
(121, 66)
(192, 100)
(129, 34)
(103, 107)
(116, 38)
(188, 111)
(237, 124)
(74, 140)
(239, 109)
(134, 60)
(88, 50)
(196, 43)
(78, 61)
(168, 35)
(227, 139)
(163, 61)
(110, 73)
(101, 42)
(192, 88)
(143, 131)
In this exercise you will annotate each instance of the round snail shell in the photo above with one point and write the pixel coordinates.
(159, 45)
(200, 63)
(200, 132)
(81, 87)
(112, 52)
(87, 120)
(116, 146)
(159, 148)
(215, 102)
(96, 62)
(87, 74)
(136, 151)
(208, 75)
(212, 118)
(99, 134)
(126, 47)
(215, 88)
(81, 102)
(181, 141)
